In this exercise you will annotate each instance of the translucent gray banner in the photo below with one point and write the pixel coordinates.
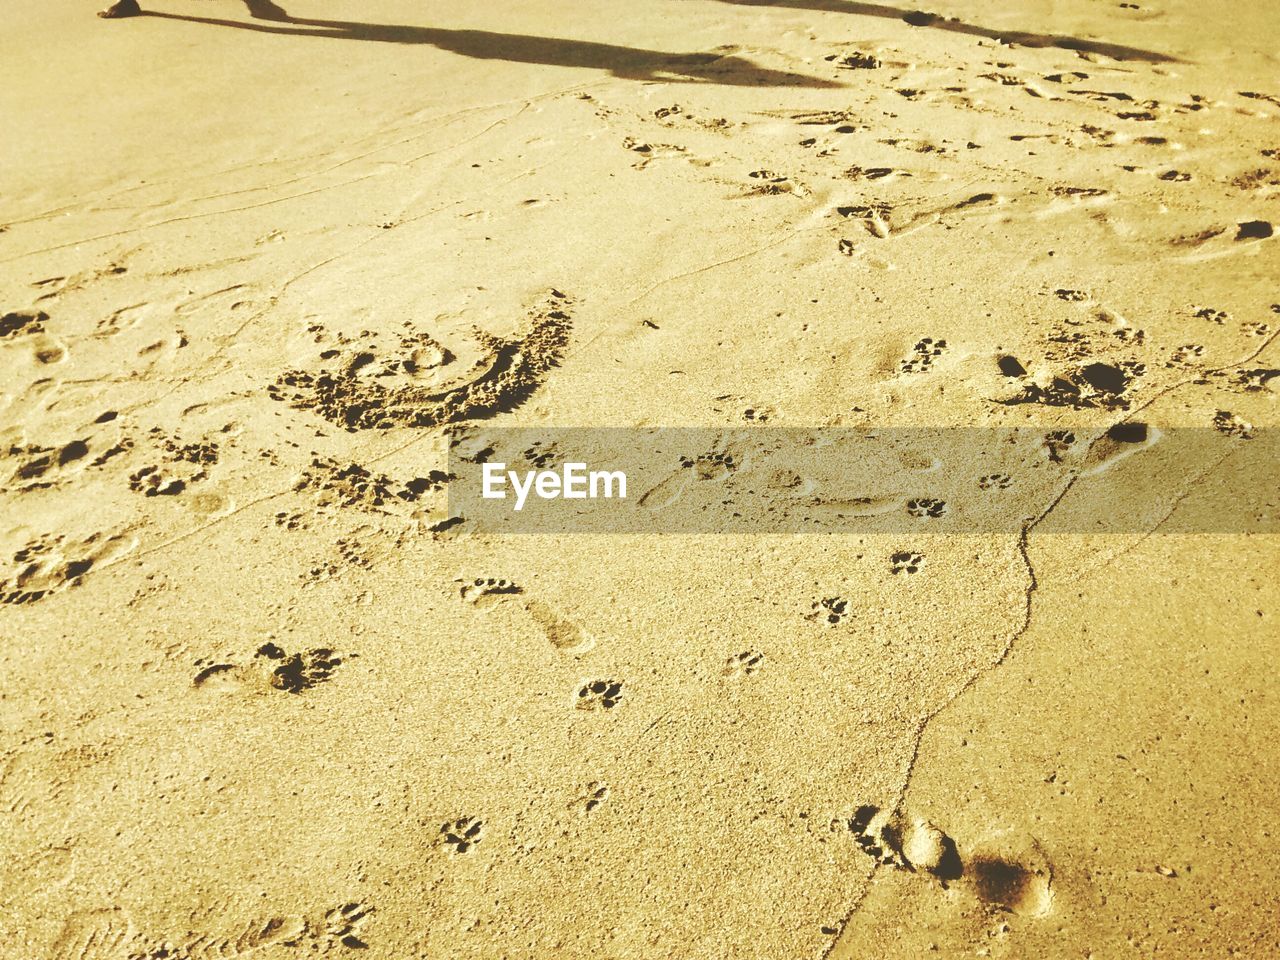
(1130, 478)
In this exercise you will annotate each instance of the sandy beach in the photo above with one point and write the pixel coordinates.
(279, 281)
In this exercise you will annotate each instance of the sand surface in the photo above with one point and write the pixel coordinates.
(259, 698)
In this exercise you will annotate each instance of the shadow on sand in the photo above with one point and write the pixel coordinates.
(627, 62)
(918, 18)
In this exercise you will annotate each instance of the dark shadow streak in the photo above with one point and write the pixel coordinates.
(919, 18)
(625, 62)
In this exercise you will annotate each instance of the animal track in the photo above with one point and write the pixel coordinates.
(599, 695)
(854, 61)
(461, 834)
(1231, 425)
(906, 562)
(44, 567)
(1057, 443)
(995, 481)
(743, 664)
(356, 486)
(596, 794)
(1187, 355)
(508, 373)
(185, 463)
(711, 466)
(273, 667)
(830, 610)
(923, 354)
(343, 925)
(351, 551)
(926, 508)
(1256, 379)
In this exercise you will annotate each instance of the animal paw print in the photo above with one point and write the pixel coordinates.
(461, 834)
(355, 486)
(830, 610)
(995, 481)
(1256, 328)
(711, 466)
(542, 455)
(46, 566)
(1058, 442)
(926, 508)
(1071, 296)
(186, 463)
(599, 695)
(855, 61)
(1213, 316)
(342, 925)
(905, 561)
(743, 664)
(295, 672)
(150, 482)
(1254, 380)
(1186, 355)
(923, 354)
(479, 589)
(596, 794)
(1228, 423)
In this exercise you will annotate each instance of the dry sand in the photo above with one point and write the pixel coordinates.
(254, 703)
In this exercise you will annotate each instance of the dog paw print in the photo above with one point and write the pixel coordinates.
(1256, 328)
(343, 925)
(743, 664)
(830, 610)
(926, 350)
(1228, 423)
(296, 672)
(595, 794)
(1071, 296)
(461, 834)
(1057, 443)
(599, 695)
(1212, 315)
(926, 508)
(150, 482)
(904, 561)
(1254, 380)
(711, 466)
(295, 520)
(995, 481)
(542, 455)
(1187, 355)
(481, 588)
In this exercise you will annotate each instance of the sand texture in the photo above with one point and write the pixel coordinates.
(261, 698)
